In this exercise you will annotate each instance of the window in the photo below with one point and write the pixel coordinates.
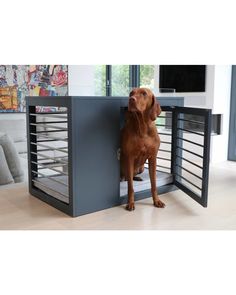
(100, 80)
(120, 80)
(147, 76)
(113, 80)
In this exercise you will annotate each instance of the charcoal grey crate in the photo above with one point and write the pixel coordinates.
(73, 148)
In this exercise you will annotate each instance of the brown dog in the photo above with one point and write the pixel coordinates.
(140, 142)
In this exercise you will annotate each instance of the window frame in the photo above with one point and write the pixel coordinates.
(134, 78)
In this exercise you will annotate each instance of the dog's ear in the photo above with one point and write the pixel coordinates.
(155, 109)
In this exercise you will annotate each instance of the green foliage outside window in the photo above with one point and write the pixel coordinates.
(147, 76)
(100, 80)
(120, 79)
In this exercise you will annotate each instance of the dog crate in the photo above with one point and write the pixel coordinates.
(73, 148)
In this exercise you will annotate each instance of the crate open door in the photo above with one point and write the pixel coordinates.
(191, 132)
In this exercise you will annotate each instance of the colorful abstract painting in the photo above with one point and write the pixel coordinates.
(18, 81)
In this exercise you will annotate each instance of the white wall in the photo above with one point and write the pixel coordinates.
(81, 80)
(221, 105)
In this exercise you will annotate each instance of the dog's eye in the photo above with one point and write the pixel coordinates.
(144, 93)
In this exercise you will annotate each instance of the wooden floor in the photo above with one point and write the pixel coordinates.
(18, 210)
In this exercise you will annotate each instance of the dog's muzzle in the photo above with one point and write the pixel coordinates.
(132, 106)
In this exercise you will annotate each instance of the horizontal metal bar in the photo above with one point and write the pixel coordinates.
(192, 121)
(56, 112)
(45, 167)
(193, 111)
(190, 141)
(49, 148)
(49, 140)
(163, 133)
(52, 126)
(52, 140)
(189, 161)
(188, 181)
(195, 154)
(55, 170)
(189, 171)
(45, 162)
(50, 177)
(190, 131)
(53, 162)
(56, 127)
(49, 165)
(51, 131)
(166, 151)
(50, 137)
(50, 115)
(46, 122)
(45, 150)
(161, 158)
(51, 158)
(54, 159)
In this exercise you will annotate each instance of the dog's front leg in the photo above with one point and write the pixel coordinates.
(152, 173)
(129, 177)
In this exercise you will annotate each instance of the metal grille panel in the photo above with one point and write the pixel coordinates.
(191, 148)
(48, 131)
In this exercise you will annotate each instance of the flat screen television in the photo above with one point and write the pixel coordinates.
(189, 78)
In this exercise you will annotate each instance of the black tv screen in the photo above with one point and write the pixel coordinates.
(190, 78)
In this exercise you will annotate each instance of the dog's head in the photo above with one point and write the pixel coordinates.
(143, 100)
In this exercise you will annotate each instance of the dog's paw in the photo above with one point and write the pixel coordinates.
(159, 204)
(130, 207)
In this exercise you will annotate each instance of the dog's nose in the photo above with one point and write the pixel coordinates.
(132, 99)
